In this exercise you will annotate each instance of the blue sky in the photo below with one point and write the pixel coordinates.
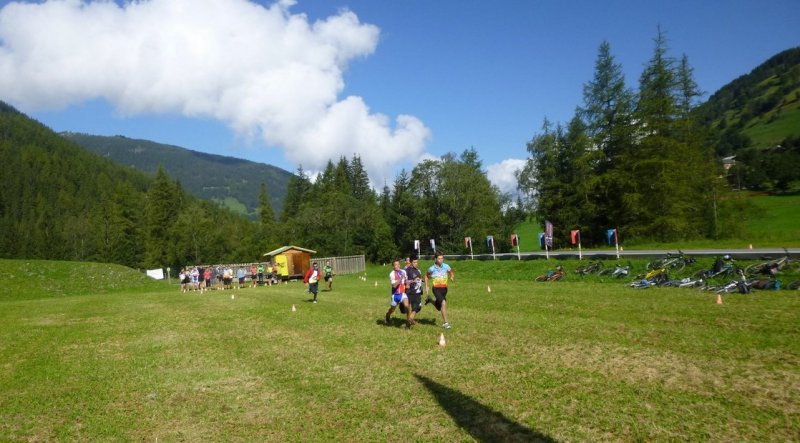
(467, 73)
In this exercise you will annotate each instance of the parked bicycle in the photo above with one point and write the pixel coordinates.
(771, 267)
(740, 285)
(673, 262)
(655, 277)
(551, 275)
(723, 267)
(591, 268)
(618, 271)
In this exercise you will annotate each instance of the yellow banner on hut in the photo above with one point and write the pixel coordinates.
(291, 261)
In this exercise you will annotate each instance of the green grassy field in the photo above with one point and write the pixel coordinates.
(577, 360)
(772, 222)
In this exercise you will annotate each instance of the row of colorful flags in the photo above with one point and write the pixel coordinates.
(545, 239)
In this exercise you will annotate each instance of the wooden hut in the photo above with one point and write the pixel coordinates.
(291, 261)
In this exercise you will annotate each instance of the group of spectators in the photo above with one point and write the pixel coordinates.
(205, 278)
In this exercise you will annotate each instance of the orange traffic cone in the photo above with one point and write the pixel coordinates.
(294, 309)
(719, 299)
(441, 340)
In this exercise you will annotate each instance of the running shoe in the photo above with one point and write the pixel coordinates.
(446, 325)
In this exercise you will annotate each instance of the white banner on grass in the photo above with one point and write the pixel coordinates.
(157, 274)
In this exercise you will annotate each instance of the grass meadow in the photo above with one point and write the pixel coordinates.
(770, 222)
(114, 356)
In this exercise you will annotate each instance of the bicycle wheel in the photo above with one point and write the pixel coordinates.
(606, 271)
(755, 269)
(701, 274)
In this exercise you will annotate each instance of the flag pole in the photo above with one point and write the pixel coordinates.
(518, 256)
(546, 251)
(471, 255)
(494, 257)
(580, 253)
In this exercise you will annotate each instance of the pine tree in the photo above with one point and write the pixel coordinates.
(266, 218)
(297, 190)
(161, 210)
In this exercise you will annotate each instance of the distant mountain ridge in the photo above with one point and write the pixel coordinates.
(233, 182)
(763, 105)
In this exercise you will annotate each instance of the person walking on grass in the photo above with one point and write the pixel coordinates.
(311, 280)
(438, 274)
(414, 288)
(397, 279)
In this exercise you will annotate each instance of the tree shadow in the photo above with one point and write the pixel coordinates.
(482, 422)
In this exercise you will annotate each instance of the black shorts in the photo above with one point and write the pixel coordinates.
(415, 301)
(441, 296)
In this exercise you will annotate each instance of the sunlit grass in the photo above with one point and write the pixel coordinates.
(574, 361)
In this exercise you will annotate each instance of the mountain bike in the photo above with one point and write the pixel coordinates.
(556, 275)
(723, 267)
(591, 268)
(686, 282)
(771, 267)
(672, 261)
(618, 271)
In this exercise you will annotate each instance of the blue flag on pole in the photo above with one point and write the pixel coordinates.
(612, 236)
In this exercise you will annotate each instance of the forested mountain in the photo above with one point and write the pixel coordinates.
(59, 201)
(756, 120)
(758, 109)
(232, 182)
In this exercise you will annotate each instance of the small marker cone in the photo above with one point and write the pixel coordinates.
(488, 289)
(751, 246)
(719, 299)
(294, 309)
(442, 342)
(232, 296)
(376, 284)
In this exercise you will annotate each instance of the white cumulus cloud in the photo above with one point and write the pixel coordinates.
(264, 71)
(502, 174)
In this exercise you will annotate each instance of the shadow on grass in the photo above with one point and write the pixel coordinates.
(482, 422)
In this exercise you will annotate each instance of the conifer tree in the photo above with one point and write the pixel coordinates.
(161, 211)
(297, 190)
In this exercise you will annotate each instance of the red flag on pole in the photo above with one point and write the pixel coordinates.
(575, 236)
(514, 240)
(467, 242)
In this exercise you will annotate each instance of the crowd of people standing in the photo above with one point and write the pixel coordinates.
(221, 277)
